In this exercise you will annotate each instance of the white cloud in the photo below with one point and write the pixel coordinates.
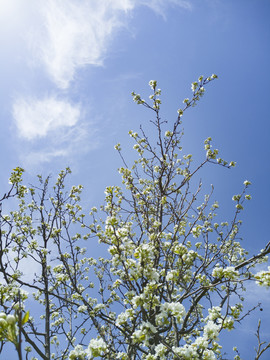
(78, 32)
(36, 118)
(63, 144)
(64, 35)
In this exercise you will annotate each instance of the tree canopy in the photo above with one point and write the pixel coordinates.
(172, 277)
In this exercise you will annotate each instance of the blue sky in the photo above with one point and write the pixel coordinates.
(68, 68)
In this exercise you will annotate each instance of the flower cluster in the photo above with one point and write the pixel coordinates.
(96, 348)
(9, 326)
(167, 256)
(263, 277)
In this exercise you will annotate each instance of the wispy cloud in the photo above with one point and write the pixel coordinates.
(36, 118)
(63, 145)
(161, 6)
(51, 129)
(77, 34)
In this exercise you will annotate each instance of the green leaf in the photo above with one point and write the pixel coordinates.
(25, 318)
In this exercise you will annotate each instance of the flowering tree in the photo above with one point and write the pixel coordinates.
(174, 275)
